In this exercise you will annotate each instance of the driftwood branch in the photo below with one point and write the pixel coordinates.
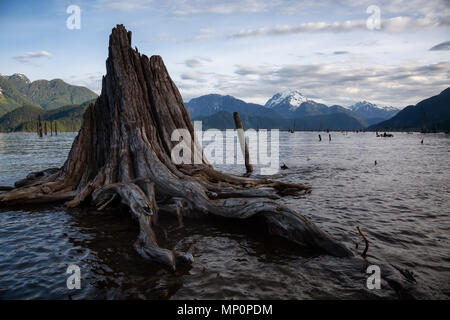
(366, 241)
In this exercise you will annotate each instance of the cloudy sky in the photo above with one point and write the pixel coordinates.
(330, 50)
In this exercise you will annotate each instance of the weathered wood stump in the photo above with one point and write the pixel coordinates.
(123, 152)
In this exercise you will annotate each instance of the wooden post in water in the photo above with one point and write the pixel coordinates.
(45, 127)
(56, 129)
(242, 142)
(51, 128)
(40, 126)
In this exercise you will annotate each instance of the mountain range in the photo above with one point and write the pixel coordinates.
(373, 113)
(24, 119)
(429, 115)
(17, 90)
(22, 101)
(210, 104)
(292, 110)
(285, 110)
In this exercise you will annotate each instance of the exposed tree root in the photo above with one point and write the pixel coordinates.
(143, 210)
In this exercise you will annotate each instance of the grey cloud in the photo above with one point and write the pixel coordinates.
(192, 63)
(22, 59)
(441, 46)
(435, 67)
(396, 24)
(340, 52)
(334, 52)
(195, 76)
(29, 56)
(196, 62)
(251, 70)
(188, 76)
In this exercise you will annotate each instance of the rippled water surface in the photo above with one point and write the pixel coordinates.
(402, 204)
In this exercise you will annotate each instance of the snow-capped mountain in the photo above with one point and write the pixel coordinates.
(373, 113)
(285, 110)
(292, 103)
(292, 98)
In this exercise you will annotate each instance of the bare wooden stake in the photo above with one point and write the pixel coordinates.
(40, 127)
(242, 142)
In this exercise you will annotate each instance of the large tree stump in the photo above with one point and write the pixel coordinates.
(123, 151)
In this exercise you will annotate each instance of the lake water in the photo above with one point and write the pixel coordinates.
(402, 204)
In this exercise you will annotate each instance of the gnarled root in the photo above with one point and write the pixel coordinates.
(34, 177)
(283, 222)
(143, 210)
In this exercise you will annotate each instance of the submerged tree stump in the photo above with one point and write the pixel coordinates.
(39, 127)
(123, 153)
